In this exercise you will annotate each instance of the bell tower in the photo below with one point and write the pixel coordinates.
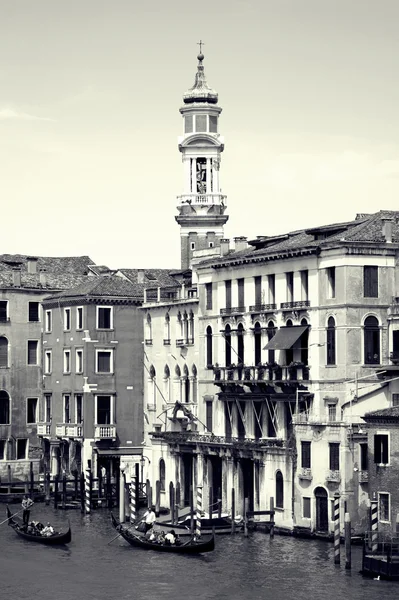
(201, 206)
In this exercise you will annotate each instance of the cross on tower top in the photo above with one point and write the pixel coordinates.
(200, 44)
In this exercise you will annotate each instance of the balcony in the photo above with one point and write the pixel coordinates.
(305, 473)
(105, 432)
(363, 476)
(43, 429)
(148, 342)
(261, 308)
(297, 305)
(185, 437)
(333, 476)
(241, 373)
(69, 430)
(202, 199)
(166, 342)
(233, 310)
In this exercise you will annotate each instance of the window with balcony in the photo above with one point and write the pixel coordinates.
(227, 345)
(104, 317)
(384, 507)
(209, 415)
(334, 456)
(289, 280)
(47, 408)
(381, 448)
(227, 285)
(241, 293)
(279, 490)
(370, 281)
(240, 343)
(79, 318)
(48, 362)
(271, 332)
(67, 408)
(48, 321)
(22, 446)
(79, 408)
(191, 328)
(258, 290)
(148, 330)
(104, 361)
(3, 311)
(166, 383)
(67, 319)
(209, 346)
(304, 285)
(104, 410)
(67, 361)
(271, 283)
(4, 408)
(79, 360)
(3, 352)
(33, 312)
(162, 474)
(33, 352)
(371, 335)
(306, 512)
(166, 335)
(364, 457)
(258, 342)
(209, 296)
(306, 455)
(194, 384)
(31, 410)
(330, 273)
(331, 341)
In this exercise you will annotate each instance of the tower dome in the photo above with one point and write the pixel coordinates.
(200, 92)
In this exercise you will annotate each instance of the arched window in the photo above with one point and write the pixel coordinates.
(186, 384)
(4, 408)
(166, 338)
(289, 352)
(304, 343)
(271, 332)
(209, 354)
(279, 490)
(162, 474)
(371, 341)
(195, 390)
(240, 343)
(258, 343)
(180, 327)
(227, 344)
(3, 352)
(166, 383)
(177, 385)
(331, 341)
(185, 327)
(191, 328)
(152, 390)
(148, 329)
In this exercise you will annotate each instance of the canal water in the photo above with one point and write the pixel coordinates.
(239, 569)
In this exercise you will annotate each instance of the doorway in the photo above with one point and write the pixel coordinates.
(321, 510)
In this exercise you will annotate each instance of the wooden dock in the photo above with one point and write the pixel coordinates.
(381, 556)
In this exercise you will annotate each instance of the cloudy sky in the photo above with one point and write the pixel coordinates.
(90, 92)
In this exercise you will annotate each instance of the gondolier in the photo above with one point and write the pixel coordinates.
(26, 506)
(149, 518)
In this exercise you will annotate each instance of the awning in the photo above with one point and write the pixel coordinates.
(119, 451)
(285, 337)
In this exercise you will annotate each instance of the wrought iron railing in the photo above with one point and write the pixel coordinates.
(295, 305)
(262, 307)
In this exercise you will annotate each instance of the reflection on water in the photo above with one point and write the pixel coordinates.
(240, 568)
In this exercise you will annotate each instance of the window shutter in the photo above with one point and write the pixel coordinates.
(3, 352)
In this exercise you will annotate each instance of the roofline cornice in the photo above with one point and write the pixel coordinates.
(287, 254)
(82, 300)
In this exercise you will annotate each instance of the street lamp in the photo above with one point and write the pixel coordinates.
(142, 463)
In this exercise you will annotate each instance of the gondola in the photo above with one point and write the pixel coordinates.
(189, 547)
(51, 540)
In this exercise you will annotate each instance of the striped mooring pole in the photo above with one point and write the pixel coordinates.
(337, 538)
(132, 489)
(87, 491)
(198, 512)
(374, 525)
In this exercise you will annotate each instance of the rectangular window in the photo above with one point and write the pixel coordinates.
(395, 399)
(104, 361)
(334, 457)
(384, 507)
(67, 408)
(304, 285)
(306, 508)
(271, 281)
(31, 410)
(258, 290)
(79, 361)
(104, 412)
(47, 408)
(330, 272)
(79, 408)
(289, 278)
(332, 412)
(381, 448)
(200, 123)
(32, 352)
(227, 285)
(209, 415)
(5, 410)
(48, 363)
(67, 361)
(241, 297)
(104, 317)
(370, 281)
(2, 449)
(48, 321)
(79, 317)
(188, 124)
(213, 124)
(22, 445)
(33, 312)
(3, 311)
(208, 290)
(306, 455)
(364, 457)
(67, 319)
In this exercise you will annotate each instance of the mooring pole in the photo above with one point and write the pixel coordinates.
(192, 510)
(199, 511)
(172, 502)
(64, 490)
(233, 511)
(246, 505)
(87, 491)
(374, 525)
(133, 493)
(47, 488)
(210, 502)
(32, 480)
(348, 548)
(157, 497)
(56, 491)
(82, 492)
(121, 497)
(337, 533)
(219, 504)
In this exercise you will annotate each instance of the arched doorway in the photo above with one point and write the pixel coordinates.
(321, 509)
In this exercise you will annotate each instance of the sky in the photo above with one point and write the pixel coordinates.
(90, 92)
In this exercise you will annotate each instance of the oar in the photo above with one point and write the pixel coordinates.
(130, 526)
(8, 518)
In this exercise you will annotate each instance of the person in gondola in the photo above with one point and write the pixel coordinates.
(161, 538)
(149, 518)
(26, 506)
(170, 538)
(48, 530)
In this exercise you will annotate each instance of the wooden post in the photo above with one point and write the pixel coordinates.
(337, 532)
(157, 497)
(137, 476)
(177, 502)
(148, 492)
(192, 510)
(150, 496)
(9, 476)
(32, 480)
(199, 512)
(348, 551)
(75, 485)
(178, 493)
(172, 502)
(100, 484)
(90, 486)
(47, 488)
(109, 489)
(56, 491)
(272, 512)
(246, 506)
(219, 504)
(26, 484)
(82, 492)
(64, 490)
(88, 491)
(374, 525)
(121, 497)
(210, 502)
(233, 511)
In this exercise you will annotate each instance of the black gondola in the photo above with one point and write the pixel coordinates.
(51, 540)
(190, 547)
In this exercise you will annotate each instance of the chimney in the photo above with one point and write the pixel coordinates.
(32, 264)
(387, 229)
(140, 276)
(240, 243)
(16, 277)
(42, 277)
(224, 246)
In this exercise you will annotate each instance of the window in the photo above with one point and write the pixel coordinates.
(306, 455)
(371, 341)
(4, 408)
(3, 311)
(3, 352)
(271, 281)
(48, 321)
(289, 278)
(67, 361)
(2, 449)
(48, 363)
(258, 290)
(47, 408)
(370, 282)
(200, 122)
(240, 343)
(22, 445)
(227, 344)
(188, 124)
(384, 506)
(331, 341)
(208, 290)
(364, 457)
(381, 448)
(258, 342)
(213, 124)
(67, 319)
(209, 414)
(332, 412)
(304, 285)
(104, 317)
(209, 356)
(306, 508)
(79, 361)
(241, 297)
(31, 410)
(395, 400)
(79, 408)
(32, 352)
(227, 285)
(334, 457)
(271, 332)
(104, 414)
(279, 490)
(79, 317)
(192, 245)
(162, 474)
(330, 272)
(33, 311)
(104, 361)
(67, 408)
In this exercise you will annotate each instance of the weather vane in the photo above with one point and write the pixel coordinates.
(200, 44)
